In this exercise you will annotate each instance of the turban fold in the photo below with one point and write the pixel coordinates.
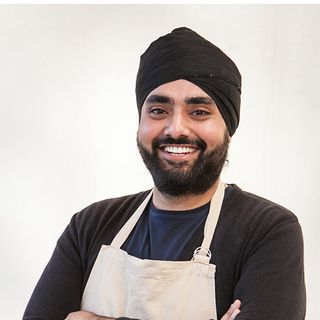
(183, 54)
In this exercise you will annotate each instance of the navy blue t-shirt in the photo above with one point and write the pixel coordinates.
(165, 235)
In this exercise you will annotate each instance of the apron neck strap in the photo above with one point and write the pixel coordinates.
(203, 254)
(123, 234)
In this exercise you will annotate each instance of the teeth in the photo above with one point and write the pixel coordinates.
(178, 149)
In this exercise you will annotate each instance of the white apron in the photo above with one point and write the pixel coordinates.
(121, 285)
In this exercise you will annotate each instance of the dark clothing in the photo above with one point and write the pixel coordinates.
(257, 249)
(167, 235)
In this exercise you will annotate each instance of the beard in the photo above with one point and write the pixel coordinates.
(179, 178)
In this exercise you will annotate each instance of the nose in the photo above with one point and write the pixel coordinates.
(177, 126)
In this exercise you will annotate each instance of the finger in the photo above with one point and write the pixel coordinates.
(234, 314)
(228, 314)
(236, 304)
(233, 307)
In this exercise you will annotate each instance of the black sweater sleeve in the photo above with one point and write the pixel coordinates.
(258, 252)
(59, 289)
(271, 284)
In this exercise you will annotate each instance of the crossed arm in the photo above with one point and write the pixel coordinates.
(231, 314)
(270, 285)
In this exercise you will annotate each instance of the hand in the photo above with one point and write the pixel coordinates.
(84, 315)
(233, 311)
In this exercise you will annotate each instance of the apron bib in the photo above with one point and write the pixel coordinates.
(121, 285)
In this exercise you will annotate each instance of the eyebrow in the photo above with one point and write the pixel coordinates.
(200, 100)
(159, 99)
(167, 100)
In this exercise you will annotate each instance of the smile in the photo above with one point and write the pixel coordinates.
(179, 150)
(176, 152)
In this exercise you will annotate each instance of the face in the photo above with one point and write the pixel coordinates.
(182, 138)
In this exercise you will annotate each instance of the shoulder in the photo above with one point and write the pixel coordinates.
(249, 217)
(111, 207)
(109, 214)
(245, 204)
(250, 224)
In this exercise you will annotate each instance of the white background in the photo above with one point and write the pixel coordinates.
(68, 118)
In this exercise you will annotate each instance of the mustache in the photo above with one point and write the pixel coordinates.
(199, 143)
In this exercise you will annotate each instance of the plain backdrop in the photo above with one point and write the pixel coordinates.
(68, 118)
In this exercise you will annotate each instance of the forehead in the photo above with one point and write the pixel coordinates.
(179, 90)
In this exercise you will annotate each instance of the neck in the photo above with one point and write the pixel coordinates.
(185, 202)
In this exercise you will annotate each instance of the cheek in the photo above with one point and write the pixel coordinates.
(143, 131)
(147, 131)
(212, 135)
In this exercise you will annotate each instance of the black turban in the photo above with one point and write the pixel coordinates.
(183, 54)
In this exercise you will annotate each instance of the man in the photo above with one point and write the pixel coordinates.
(192, 246)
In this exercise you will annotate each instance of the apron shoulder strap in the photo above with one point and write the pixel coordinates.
(203, 254)
(124, 232)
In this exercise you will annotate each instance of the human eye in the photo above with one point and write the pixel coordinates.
(200, 113)
(157, 112)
